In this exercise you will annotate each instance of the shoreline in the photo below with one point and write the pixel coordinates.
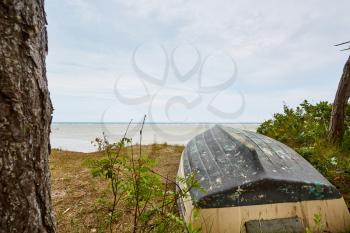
(78, 137)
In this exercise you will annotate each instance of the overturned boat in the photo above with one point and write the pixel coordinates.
(254, 183)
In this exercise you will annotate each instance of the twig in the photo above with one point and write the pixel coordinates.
(137, 177)
(171, 181)
(113, 179)
(342, 43)
(165, 193)
(124, 137)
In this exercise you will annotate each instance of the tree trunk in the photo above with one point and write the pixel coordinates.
(25, 119)
(336, 125)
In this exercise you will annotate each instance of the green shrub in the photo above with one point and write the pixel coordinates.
(302, 126)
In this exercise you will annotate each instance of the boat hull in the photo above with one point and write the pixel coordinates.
(333, 213)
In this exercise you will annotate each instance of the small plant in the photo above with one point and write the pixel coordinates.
(318, 222)
(147, 197)
(307, 230)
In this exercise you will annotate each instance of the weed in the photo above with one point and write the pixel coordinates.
(138, 189)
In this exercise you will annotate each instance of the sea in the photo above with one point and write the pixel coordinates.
(80, 136)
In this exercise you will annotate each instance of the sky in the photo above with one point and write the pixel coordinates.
(191, 61)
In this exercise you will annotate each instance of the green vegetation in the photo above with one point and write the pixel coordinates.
(136, 188)
(319, 224)
(305, 129)
(82, 203)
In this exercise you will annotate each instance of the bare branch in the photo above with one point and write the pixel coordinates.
(342, 43)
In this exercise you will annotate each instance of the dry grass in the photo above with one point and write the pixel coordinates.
(78, 198)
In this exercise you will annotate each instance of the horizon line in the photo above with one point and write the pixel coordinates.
(139, 122)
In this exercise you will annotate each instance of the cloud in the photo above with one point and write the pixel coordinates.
(283, 50)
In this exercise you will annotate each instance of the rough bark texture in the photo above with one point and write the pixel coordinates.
(336, 127)
(25, 118)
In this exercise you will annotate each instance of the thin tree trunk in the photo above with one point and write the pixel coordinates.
(336, 126)
(25, 118)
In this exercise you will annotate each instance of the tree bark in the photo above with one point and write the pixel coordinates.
(336, 126)
(25, 119)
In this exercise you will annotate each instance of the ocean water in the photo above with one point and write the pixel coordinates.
(78, 136)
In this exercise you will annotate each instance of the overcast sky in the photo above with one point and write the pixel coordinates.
(217, 61)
